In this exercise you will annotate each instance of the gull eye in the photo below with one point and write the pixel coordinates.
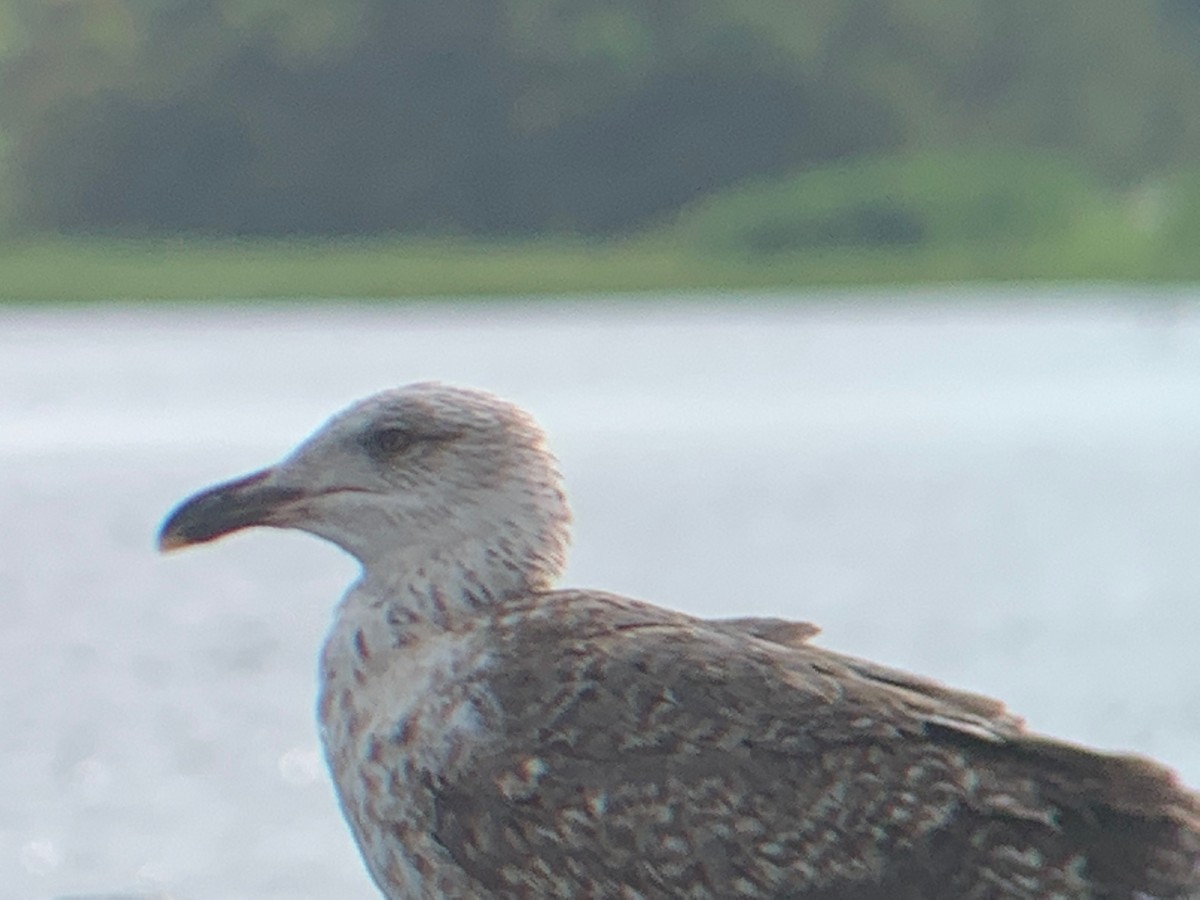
(388, 441)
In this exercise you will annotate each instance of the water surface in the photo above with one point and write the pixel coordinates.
(1004, 495)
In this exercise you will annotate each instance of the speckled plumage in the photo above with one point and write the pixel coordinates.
(490, 736)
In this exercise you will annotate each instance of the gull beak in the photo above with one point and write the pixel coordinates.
(229, 507)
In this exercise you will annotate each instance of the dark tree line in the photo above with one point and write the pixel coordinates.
(533, 116)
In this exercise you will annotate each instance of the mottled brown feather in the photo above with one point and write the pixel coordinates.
(646, 753)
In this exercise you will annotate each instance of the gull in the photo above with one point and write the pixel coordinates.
(490, 734)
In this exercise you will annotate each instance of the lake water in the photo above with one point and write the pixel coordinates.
(1004, 495)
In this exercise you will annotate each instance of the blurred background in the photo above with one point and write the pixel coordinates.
(527, 145)
(880, 314)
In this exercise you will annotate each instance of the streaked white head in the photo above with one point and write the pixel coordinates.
(424, 474)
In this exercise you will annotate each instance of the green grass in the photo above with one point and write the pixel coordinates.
(898, 221)
(98, 269)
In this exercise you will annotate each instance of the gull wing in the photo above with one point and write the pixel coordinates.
(643, 753)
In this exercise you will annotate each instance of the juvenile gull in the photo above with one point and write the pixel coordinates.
(493, 736)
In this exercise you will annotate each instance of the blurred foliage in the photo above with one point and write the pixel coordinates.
(519, 117)
(928, 218)
(938, 200)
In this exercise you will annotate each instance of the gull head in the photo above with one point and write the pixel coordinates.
(426, 474)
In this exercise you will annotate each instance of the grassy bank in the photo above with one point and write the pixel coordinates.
(97, 269)
(893, 221)
(91, 270)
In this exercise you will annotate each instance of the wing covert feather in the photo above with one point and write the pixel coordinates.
(643, 748)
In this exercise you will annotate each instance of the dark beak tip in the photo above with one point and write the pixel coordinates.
(223, 509)
(170, 541)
